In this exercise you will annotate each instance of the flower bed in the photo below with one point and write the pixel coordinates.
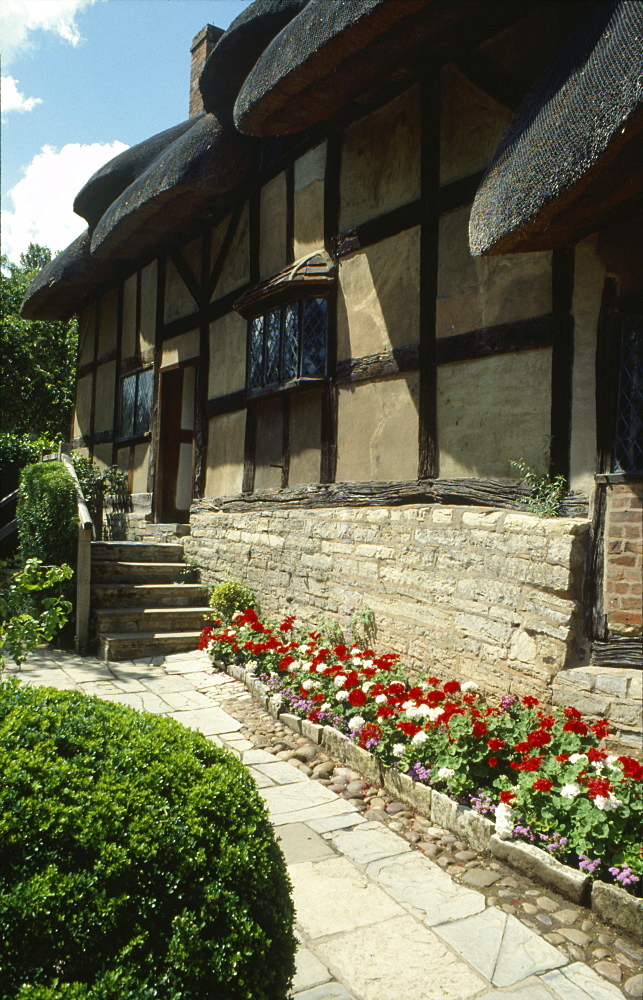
(536, 771)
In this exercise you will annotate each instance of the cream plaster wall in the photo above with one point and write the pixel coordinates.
(128, 344)
(272, 240)
(104, 406)
(225, 454)
(589, 276)
(305, 438)
(178, 300)
(86, 335)
(309, 201)
(236, 269)
(493, 410)
(227, 355)
(184, 477)
(83, 408)
(483, 291)
(139, 472)
(148, 305)
(268, 451)
(103, 455)
(471, 126)
(377, 434)
(108, 324)
(378, 305)
(180, 348)
(381, 161)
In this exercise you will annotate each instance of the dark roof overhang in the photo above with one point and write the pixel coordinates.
(59, 289)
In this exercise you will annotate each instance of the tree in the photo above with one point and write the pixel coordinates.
(37, 360)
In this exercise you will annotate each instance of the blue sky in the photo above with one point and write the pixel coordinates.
(83, 79)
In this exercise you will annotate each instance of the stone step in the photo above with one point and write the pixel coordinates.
(137, 552)
(111, 620)
(135, 645)
(151, 595)
(136, 572)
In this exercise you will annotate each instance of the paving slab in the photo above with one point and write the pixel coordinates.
(181, 701)
(365, 845)
(93, 670)
(144, 701)
(579, 982)
(399, 959)
(281, 773)
(333, 897)
(210, 721)
(260, 780)
(339, 821)
(285, 799)
(162, 684)
(324, 810)
(184, 666)
(309, 971)
(257, 757)
(58, 680)
(299, 843)
(415, 881)
(135, 670)
(329, 991)
(501, 947)
(100, 688)
(532, 989)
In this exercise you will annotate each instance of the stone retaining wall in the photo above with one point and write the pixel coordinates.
(473, 593)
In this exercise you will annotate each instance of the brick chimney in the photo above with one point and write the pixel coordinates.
(202, 45)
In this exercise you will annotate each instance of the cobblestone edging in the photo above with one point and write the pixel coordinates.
(610, 903)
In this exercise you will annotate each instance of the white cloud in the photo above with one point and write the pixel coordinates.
(12, 100)
(20, 18)
(42, 200)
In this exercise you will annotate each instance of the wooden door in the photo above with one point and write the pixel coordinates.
(176, 444)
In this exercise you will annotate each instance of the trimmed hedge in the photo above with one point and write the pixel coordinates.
(138, 860)
(47, 514)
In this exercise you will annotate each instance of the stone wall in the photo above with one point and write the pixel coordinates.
(624, 559)
(487, 595)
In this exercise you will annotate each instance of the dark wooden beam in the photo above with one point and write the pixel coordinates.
(562, 361)
(190, 280)
(104, 437)
(506, 338)
(331, 189)
(371, 366)
(153, 466)
(375, 230)
(116, 418)
(460, 192)
(215, 274)
(501, 493)
(618, 651)
(429, 248)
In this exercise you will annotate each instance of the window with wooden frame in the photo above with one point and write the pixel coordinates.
(137, 392)
(628, 438)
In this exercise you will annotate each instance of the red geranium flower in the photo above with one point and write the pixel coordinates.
(507, 797)
(538, 738)
(495, 744)
(562, 757)
(543, 785)
(396, 688)
(285, 662)
(451, 687)
(492, 761)
(357, 697)
(529, 700)
(409, 728)
(632, 768)
(384, 712)
(572, 713)
(530, 763)
(469, 698)
(522, 747)
(598, 787)
(433, 680)
(479, 729)
(574, 725)
(601, 729)
(593, 754)
(434, 697)
(320, 696)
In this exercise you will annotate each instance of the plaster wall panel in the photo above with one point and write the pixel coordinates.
(148, 305)
(228, 337)
(122, 458)
(272, 245)
(105, 385)
(128, 343)
(184, 477)
(178, 300)
(471, 126)
(378, 306)
(225, 454)
(305, 438)
(309, 201)
(381, 161)
(236, 268)
(589, 275)
(493, 410)
(139, 471)
(377, 434)
(187, 399)
(108, 324)
(484, 291)
(83, 408)
(103, 455)
(86, 335)
(269, 442)
(180, 348)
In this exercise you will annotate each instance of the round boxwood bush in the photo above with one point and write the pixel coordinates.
(138, 861)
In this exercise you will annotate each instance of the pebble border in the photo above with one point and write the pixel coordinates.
(609, 902)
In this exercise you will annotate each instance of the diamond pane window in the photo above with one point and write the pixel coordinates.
(255, 375)
(291, 341)
(273, 331)
(313, 346)
(628, 444)
(128, 405)
(137, 393)
(144, 401)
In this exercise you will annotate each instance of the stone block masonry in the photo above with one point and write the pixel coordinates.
(624, 560)
(486, 595)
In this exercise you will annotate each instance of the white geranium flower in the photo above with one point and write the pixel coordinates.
(356, 661)
(341, 696)
(308, 684)
(575, 757)
(469, 686)
(380, 700)
(339, 680)
(367, 663)
(419, 738)
(366, 687)
(357, 722)
(399, 749)
(325, 707)
(237, 615)
(409, 706)
(305, 648)
(434, 713)
(505, 821)
(609, 804)
(444, 773)
(251, 665)
(424, 712)
(571, 790)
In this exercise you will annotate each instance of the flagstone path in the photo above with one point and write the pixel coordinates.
(376, 918)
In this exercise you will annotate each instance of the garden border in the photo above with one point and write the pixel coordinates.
(609, 902)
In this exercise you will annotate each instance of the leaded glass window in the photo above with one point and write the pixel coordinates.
(288, 343)
(628, 444)
(137, 392)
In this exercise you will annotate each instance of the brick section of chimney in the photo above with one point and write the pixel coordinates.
(202, 45)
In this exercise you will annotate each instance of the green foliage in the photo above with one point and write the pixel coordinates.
(16, 451)
(546, 493)
(38, 359)
(231, 596)
(47, 514)
(362, 626)
(23, 629)
(97, 484)
(138, 860)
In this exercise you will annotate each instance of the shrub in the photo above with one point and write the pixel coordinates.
(21, 630)
(231, 596)
(16, 451)
(47, 514)
(138, 860)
